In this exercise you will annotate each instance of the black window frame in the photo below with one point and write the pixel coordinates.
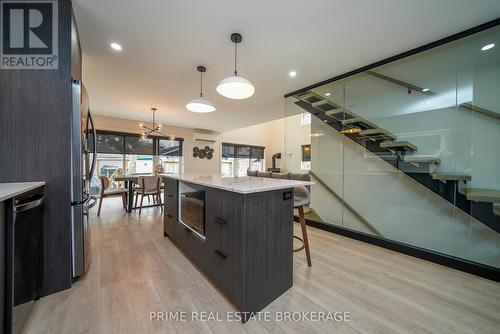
(254, 151)
(155, 148)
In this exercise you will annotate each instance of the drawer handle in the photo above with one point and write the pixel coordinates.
(221, 254)
(169, 216)
(170, 195)
(220, 220)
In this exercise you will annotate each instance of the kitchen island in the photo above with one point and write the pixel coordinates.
(238, 230)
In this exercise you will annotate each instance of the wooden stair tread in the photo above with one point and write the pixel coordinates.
(378, 132)
(340, 112)
(483, 195)
(399, 144)
(359, 120)
(451, 176)
(310, 97)
(422, 158)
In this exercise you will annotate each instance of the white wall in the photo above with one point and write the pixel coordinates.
(296, 135)
(269, 134)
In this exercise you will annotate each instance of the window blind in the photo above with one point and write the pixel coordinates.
(242, 151)
(126, 143)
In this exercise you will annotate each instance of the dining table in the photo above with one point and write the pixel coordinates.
(130, 180)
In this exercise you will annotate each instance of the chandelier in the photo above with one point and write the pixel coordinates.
(154, 129)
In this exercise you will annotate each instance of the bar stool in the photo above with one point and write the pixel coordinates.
(300, 198)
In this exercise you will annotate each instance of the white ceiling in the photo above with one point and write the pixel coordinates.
(164, 41)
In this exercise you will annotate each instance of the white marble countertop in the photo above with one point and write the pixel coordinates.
(239, 184)
(9, 190)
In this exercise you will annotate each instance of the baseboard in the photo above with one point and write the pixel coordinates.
(470, 267)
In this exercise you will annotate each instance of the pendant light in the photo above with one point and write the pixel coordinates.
(235, 87)
(200, 104)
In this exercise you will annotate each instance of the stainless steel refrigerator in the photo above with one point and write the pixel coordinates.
(83, 159)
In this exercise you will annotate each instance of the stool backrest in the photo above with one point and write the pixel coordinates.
(300, 196)
(150, 183)
(104, 182)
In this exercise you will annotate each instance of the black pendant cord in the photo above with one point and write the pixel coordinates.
(235, 59)
(201, 84)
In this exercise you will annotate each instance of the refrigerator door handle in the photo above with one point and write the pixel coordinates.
(94, 146)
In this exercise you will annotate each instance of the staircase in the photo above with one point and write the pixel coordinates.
(482, 204)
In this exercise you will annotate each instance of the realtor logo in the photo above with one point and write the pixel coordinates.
(28, 35)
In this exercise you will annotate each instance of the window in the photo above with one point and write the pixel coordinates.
(136, 145)
(305, 163)
(170, 152)
(171, 164)
(138, 164)
(124, 153)
(109, 143)
(305, 119)
(108, 165)
(237, 159)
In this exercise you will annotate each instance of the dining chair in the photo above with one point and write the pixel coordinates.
(149, 186)
(301, 197)
(105, 192)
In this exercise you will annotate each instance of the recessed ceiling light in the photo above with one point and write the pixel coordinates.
(328, 94)
(116, 46)
(488, 46)
(292, 74)
(425, 90)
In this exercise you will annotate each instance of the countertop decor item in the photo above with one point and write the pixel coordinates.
(159, 169)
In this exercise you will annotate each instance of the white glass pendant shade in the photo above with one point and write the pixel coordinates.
(200, 105)
(235, 87)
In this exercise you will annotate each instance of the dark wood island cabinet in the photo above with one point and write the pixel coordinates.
(245, 243)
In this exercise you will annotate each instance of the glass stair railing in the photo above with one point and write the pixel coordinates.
(403, 155)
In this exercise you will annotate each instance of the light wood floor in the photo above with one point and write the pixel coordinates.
(135, 270)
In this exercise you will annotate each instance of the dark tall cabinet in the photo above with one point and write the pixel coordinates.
(35, 145)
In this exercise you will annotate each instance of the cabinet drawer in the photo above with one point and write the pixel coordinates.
(223, 222)
(170, 188)
(191, 244)
(226, 272)
(168, 224)
(224, 238)
(171, 208)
